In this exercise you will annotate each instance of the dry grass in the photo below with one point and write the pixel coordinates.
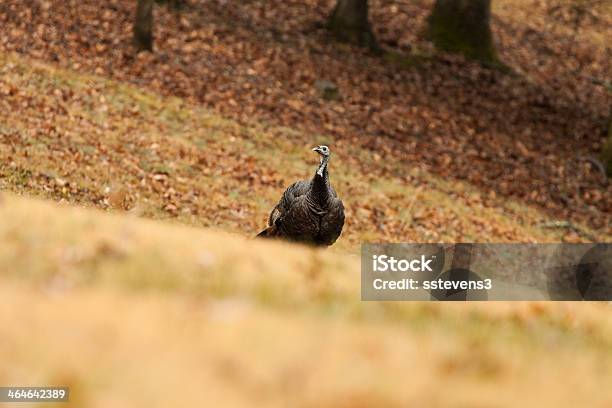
(136, 313)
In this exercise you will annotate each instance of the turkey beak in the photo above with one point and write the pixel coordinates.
(317, 149)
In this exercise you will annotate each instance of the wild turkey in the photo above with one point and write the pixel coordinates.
(309, 211)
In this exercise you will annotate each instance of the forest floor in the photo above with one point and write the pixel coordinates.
(522, 136)
(97, 142)
(208, 131)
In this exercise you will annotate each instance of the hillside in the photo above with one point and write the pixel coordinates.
(254, 321)
(98, 142)
(131, 187)
(136, 313)
(521, 136)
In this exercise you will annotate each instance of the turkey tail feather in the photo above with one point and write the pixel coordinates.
(269, 232)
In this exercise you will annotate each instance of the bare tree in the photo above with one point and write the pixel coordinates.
(463, 26)
(606, 153)
(349, 22)
(143, 25)
(173, 4)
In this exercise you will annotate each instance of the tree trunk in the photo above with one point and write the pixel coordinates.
(463, 27)
(349, 22)
(143, 26)
(173, 4)
(460, 269)
(606, 154)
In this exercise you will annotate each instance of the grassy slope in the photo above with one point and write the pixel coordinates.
(92, 141)
(131, 312)
(122, 306)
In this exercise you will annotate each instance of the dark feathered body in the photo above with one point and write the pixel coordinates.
(308, 212)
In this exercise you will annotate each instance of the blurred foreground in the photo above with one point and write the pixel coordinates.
(135, 313)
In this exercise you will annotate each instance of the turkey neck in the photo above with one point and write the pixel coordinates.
(320, 184)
